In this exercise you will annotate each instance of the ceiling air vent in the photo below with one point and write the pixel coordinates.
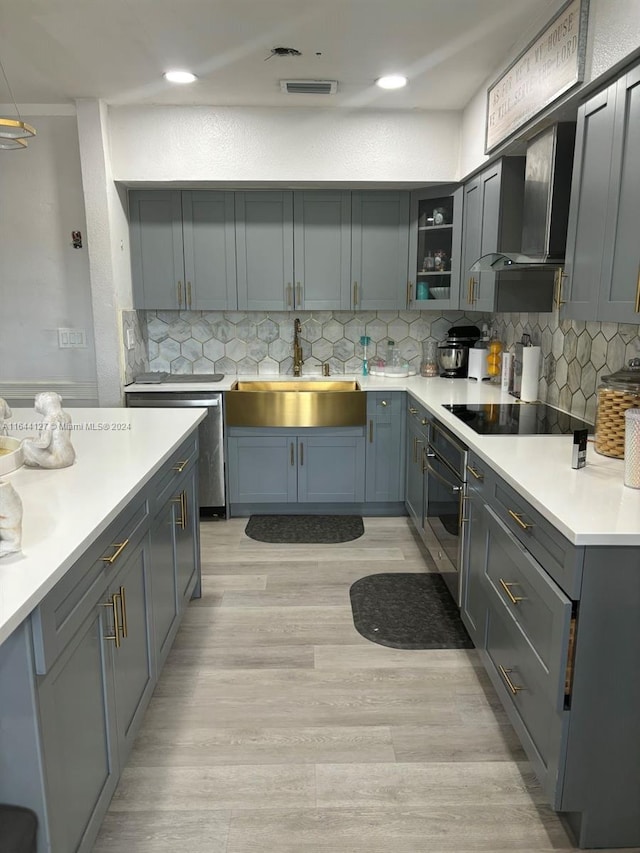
(309, 87)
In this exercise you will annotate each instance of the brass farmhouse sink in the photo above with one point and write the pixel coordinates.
(296, 403)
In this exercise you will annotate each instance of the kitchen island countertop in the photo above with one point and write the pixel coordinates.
(117, 452)
(590, 506)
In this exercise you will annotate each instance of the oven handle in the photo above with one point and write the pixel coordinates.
(432, 470)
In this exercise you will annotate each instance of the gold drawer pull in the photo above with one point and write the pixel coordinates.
(517, 516)
(180, 466)
(120, 546)
(412, 411)
(514, 688)
(506, 586)
(116, 622)
(477, 474)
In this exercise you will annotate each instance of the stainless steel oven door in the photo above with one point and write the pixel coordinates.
(443, 518)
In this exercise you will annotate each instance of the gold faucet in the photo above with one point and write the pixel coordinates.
(298, 361)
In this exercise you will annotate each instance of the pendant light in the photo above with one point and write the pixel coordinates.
(13, 132)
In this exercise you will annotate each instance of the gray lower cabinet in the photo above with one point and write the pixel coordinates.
(417, 437)
(292, 466)
(385, 446)
(380, 250)
(77, 675)
(183, 252)
(557, 629)
(603, 253)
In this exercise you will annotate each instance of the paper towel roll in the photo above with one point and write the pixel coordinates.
(530, 374)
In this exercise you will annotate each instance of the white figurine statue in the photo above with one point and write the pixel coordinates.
(52, 448)
(10, 519)
(5, 414)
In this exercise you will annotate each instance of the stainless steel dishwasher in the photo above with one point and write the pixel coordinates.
(211, 466)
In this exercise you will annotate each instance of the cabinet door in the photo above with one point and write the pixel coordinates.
(435, 249)
(471, 235)
(187, 540)
(209, 251)
(414, 495)
(588, 214)
(483, 291)
(164, 595)
(379, 250)
(620, 289)
(331, 469)
(157, 264)
(322, 250)
(79, 736)
(133, 657)
(385, 446)
(473, 607)
(264, 248)
(262, 469)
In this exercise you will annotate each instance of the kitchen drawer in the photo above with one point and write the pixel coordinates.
(522, 683)
(479, 475)
(56, 620)
(166, 480)
(539, 607)
(562, 560)
(418, 415)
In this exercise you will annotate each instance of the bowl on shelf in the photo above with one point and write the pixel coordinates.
(11, 456)
(439, 292)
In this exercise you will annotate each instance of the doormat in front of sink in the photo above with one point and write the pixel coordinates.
(304, 529)
(407, 611)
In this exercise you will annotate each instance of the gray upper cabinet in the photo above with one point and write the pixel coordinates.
(264, 244)
(435, 238)
(183, 249)
(492, 222)
(603, 251)
(322, 251)
(379, 250)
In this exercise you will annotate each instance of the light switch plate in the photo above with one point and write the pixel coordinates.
(72, 339)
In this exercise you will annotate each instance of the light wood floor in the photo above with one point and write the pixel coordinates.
(277, 728)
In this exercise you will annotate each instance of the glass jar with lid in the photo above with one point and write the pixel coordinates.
(616, 393)
(429, 364)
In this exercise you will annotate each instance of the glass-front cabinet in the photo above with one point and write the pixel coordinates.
(435, 248)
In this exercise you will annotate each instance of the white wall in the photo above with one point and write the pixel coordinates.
(44, 282)
(257, 145)
(613, 33)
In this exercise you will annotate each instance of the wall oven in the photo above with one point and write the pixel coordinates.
(445, 468)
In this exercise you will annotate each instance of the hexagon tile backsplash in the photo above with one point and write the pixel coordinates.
(575, 355)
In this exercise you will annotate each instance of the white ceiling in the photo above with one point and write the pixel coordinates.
(55, 51)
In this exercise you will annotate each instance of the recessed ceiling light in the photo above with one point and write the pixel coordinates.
(391, 81)
(179, 76)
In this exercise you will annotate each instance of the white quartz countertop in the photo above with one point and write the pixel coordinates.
(65, 510)
(591, 506)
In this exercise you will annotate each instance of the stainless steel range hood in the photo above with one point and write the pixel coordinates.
(547, 189)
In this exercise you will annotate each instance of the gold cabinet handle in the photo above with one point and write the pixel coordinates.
(179, 294)
(298, 295)
(412, 411)
(638, 293)
(469, 297)
(383, 403)
(558, 300)
(475, 473)
(123, 611)
(180, 522)
(424, 421)
(116, 621)
(120, 546)
(188, 299)
(371, 431)
(506, 586)
(301, 454)
(517, 516)
(291, 454)
(180, 466)
(289, 295)
(514, 688)
(474, 298)
(409, 293)
(355, 293)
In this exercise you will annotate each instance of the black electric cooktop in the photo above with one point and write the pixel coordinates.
(517, 419)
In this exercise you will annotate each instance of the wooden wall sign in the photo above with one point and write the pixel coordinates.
(549, 66)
